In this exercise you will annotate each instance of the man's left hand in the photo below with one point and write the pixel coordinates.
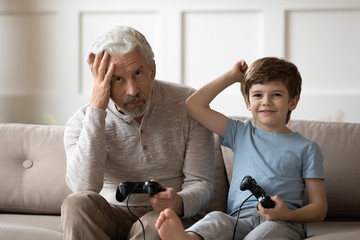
(168, 199)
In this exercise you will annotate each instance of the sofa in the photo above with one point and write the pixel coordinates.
(33, 165)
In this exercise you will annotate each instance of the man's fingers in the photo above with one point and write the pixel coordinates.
(109, 73)
(95, 64)
(103, 65)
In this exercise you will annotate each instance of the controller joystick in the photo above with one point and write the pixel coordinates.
(248, 183)
(124, 189)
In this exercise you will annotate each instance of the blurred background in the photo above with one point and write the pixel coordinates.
(44, 76)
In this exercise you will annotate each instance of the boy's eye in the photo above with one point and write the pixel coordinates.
(257, 95)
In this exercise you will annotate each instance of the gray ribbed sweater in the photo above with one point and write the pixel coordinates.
(105, 148)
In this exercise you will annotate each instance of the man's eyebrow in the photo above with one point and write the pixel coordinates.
(140, 67)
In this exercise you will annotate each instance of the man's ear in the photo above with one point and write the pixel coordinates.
(153, 70)
(293, 103)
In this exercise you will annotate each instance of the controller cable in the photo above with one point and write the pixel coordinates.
(127, 206)
(238, 215)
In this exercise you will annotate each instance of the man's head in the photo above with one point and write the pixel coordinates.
(121, 40)
(135, 69)
(271, 69)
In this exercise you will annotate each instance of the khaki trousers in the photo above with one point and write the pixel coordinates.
(87, 215)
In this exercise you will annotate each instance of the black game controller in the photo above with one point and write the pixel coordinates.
(125, 188)
(248, 183)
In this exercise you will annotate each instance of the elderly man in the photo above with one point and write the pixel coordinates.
(135, 129)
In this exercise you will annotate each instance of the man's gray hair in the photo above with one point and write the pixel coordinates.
(121, 40)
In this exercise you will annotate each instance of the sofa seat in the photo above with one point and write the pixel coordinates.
(30, 227)
(334, 230)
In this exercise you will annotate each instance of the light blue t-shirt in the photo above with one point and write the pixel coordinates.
(278, 162)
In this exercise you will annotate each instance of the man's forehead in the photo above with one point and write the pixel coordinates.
(132, 60)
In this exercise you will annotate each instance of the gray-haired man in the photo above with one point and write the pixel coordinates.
(134, 129)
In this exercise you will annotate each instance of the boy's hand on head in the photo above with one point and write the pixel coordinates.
(243, 66)
(279, 213)
(238, 71)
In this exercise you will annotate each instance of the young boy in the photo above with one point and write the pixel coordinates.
(281, 161)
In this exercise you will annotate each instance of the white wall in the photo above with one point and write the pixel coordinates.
(44, 77)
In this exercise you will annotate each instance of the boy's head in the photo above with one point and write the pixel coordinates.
(271, 69)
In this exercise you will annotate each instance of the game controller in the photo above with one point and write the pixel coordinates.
(124, 189)
(248, 183)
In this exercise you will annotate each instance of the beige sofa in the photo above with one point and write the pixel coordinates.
(32, 177)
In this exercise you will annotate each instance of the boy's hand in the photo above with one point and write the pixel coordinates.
(279, 213)
(238, 71)
(102, 74)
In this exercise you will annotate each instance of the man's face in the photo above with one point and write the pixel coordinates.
(131, 83)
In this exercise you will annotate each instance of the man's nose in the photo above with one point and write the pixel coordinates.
(131, 88)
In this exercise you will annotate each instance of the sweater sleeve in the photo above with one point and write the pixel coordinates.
(84, 141)
(198, 169)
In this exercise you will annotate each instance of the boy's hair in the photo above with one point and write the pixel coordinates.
(121, 40)
(270, 69)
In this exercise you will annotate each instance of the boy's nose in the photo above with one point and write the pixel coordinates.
(266, 101)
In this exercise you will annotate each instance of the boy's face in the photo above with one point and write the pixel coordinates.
(269, 104)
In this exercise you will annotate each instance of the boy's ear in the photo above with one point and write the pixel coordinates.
(293, 103)
(247, 103)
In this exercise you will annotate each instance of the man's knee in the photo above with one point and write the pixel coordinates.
(80, 201)
(148, 221)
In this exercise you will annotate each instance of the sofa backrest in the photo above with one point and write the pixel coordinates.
(340, 145)
(32, 173)
(33, 165)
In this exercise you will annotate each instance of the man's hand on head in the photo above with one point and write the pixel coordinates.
(102, 73)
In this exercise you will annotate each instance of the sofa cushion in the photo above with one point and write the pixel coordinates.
(219, 200)
(33, 164)
(339, 143)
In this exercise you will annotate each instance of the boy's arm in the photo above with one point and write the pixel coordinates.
(314, 211)
(198, 104)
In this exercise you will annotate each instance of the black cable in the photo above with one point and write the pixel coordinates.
(127, 206)
(238, 215)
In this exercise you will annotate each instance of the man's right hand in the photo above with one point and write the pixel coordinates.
(102, 74)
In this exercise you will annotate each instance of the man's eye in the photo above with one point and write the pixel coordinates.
(117, 79)
(137, 73)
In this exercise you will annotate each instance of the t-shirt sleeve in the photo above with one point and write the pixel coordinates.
(234, 128)
(313, 162)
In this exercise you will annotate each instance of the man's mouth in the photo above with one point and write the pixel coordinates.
(134, 103)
